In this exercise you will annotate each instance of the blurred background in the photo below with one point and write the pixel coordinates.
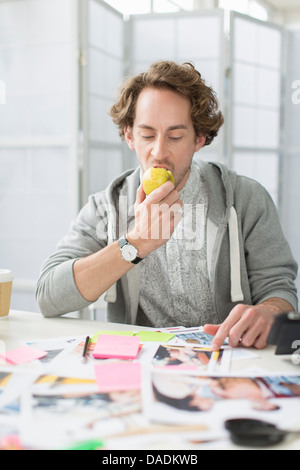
(60, 64)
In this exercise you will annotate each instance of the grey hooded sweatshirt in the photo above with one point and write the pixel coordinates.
(249, 259)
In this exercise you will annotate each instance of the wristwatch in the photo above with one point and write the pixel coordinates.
(128, 251)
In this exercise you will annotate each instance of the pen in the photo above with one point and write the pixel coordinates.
(86, 345)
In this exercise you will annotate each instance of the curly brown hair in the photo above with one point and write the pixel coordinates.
(183, 79)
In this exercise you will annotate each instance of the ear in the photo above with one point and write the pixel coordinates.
(129, 138)
(200, 141)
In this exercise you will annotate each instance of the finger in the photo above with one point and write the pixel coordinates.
(256, 336)
(243, 332)
(224, 329)
(256, 328)
(160, 193)
(261, 341)
(211, 329)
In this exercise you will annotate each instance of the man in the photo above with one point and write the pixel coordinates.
(218, 257)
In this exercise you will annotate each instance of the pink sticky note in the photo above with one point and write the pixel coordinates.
(118, 376)
(117, 347)
(23, 354)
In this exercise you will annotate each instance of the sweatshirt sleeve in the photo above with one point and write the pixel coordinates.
(272, 270)
(56, 291)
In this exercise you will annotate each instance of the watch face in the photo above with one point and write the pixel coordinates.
(129, 252)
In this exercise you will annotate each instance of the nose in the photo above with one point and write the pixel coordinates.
(160, 149)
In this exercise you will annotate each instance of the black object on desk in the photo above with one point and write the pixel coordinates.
(255, 433)
(285, 333)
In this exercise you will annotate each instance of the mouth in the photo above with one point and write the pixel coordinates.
(161, 166)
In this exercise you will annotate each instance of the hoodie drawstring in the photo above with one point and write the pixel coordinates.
(235, 270)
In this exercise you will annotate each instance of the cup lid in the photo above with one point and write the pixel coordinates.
(6, 275)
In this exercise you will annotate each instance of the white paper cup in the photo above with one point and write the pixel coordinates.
(6, 280)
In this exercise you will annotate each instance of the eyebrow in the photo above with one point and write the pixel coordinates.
(171, 128)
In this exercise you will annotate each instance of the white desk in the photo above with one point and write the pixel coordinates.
(19, 326)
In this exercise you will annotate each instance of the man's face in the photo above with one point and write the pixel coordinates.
(163, 134)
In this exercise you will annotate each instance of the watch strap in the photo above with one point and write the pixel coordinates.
(122, 242)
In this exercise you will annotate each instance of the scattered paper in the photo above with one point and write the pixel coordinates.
(182, 402)
(197, 358)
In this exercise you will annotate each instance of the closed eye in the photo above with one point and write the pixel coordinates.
(147, 137)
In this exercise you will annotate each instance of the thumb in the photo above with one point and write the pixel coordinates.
(211, 329)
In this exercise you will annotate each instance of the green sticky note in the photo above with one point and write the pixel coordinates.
(156, 336)
(110, 332)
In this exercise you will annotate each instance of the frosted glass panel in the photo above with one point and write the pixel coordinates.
(291, 160)
(14, 68)
(255, 127)
(105, 165)
(48, 21)
(14, 168)
(154, 39)
(269, 88)
(244, 124)
(268, 129)
(48, 68)
(105, 29)
(193, 34)
(101, 127)
(256, 99)
(15, 116)
(269, 47)
(36, 191)
(13, 23)
(210, 71)
(257, 43)
(56, 120)
(50, 170)
(262, 167)
(246, 45)
(193, 37)
(245, 84)
(105, 73)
